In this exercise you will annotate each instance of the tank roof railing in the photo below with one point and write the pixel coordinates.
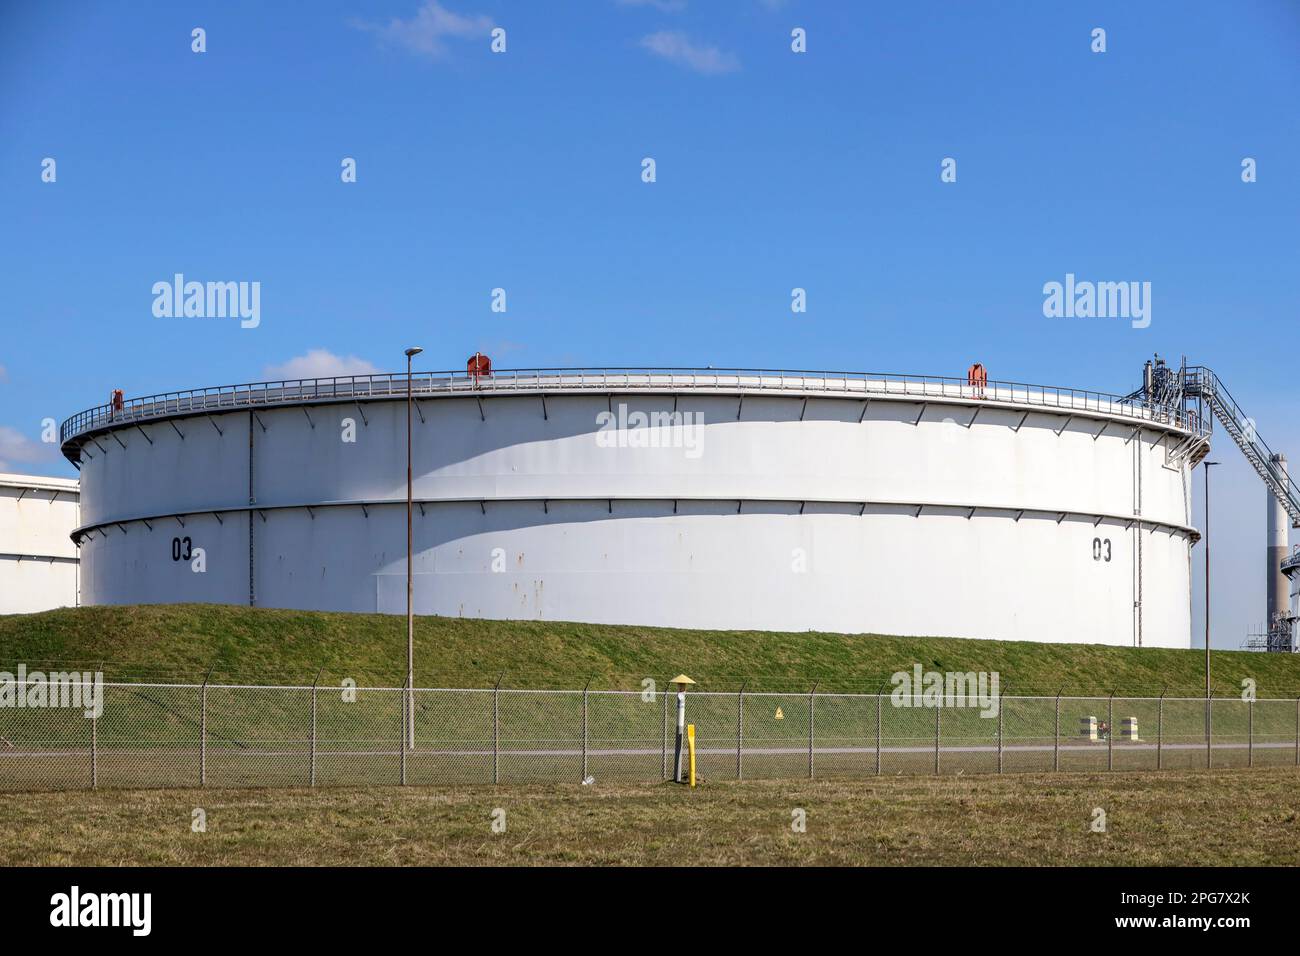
(394, 384)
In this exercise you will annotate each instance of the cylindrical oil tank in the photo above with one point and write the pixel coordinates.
(1276, 550)
(38, 561)
(696, 498)
(1291, 568)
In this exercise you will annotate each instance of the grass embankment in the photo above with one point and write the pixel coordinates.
(182, 642)
(1154, 819)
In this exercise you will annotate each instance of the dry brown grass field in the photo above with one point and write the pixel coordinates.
(1198, 818)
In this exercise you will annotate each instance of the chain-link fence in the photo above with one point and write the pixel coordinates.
(170, 735)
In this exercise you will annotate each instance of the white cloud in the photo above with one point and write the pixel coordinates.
(16, 447)
(4, 374)
(680, 49)
(318, 363)
(425, 33)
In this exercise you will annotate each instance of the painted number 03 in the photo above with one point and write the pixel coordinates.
(1100, 549)
(181, 549)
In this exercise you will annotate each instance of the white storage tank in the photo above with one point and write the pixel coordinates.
(688, 498)
(38, 559)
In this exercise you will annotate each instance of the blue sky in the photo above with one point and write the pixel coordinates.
(775, 170)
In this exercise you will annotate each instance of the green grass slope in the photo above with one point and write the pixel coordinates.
(243, 645)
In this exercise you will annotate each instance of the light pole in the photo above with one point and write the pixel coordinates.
(410, 586)
(1209, 728)
(1208, 466)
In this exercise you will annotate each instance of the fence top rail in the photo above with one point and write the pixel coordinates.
(388, 384)
(577, 691)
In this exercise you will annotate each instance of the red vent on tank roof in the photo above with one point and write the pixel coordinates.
(478, 364)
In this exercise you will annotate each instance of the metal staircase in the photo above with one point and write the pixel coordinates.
(1196, 395)
(1201, 384)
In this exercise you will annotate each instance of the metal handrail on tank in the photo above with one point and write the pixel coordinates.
(259, 394)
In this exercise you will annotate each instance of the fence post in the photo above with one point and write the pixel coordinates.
(94, 751)
(1209, 730)
(664, 695)
(878, 715)
(1000, 709)
(939, 709)
(1110, 732)
(496, 729)
(403, 743)
(315, 681)
(1160, 732)
(1250, 732)
(740, 730)
(584, 728)
(1056, 734)
(203, 730)
(812, 703)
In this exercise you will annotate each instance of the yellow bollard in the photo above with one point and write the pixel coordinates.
(690, 747)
